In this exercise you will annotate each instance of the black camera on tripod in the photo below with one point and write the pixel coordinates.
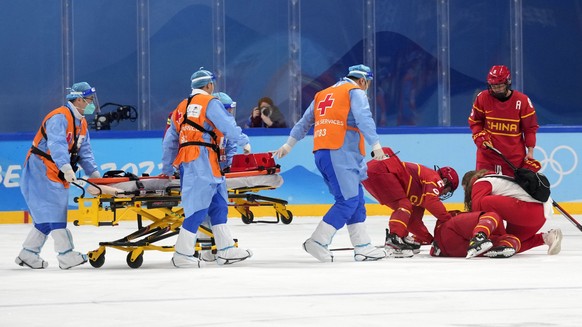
(103, 121)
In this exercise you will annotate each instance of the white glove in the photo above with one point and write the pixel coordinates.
(95, 174)
(247, 148)
(285, 148)
(377, 152)
(69, 173)
(282, 151)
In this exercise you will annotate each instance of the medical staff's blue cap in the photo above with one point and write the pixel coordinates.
(80, 90)
(201, 78)
(225, 99)
(361, 71)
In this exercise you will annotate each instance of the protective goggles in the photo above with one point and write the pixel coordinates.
(230, 106)
(361, 73)
(84, 94)
(204, 78)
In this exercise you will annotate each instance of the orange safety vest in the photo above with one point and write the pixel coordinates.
(73, 134)
(330, 109)
(189, 118)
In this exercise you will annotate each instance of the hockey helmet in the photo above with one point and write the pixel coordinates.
(451, 180)
(499, 75)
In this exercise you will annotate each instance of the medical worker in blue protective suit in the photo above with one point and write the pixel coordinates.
(227, 151)
(192, 145)
(227, 147)
(60, 145)
(342, 118)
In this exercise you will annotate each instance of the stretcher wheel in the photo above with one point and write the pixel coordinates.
(248, 218)
(134, 264)
(97, 263)
(285, 220)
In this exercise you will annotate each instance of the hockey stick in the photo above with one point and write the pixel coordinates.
(342, 249)
(554, 203)
(490, 147)
(567, 215)
(351, 249)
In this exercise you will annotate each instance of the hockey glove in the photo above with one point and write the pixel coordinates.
(482, 139)
(532, 165)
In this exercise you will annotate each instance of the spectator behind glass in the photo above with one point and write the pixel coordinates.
(266, 114)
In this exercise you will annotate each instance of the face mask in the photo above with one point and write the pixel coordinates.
(89, 109)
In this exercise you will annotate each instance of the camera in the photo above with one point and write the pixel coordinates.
(266, 111)
(103, 121)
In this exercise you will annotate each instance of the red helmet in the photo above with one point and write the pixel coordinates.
(451, 179)
(499, 75)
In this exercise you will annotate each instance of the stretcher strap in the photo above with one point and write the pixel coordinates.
(268, 171)
(115, 180)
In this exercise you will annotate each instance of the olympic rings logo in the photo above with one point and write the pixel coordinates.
(555, 165)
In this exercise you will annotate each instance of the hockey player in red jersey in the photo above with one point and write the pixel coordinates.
(409, 188)
(505, 119)
(525, 216)
(470, 234)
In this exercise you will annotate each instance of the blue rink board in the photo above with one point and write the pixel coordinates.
(140, 152)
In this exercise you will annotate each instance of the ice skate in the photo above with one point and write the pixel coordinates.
(553, 238)
(363, 248)
(207, 256)
(184, 251)
(399, 249)
(317, 244)
(500, 252)
(30, 259)
(413, 244)
(186, 261)
(318, 250)
(232, 255)
(227, 253)
(478, 245)
(71, 259)
(29, 255)
(68, 258)
(369, 253)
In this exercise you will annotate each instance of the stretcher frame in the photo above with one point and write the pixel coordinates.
(145, 237)
(165, 204)
(243, 198)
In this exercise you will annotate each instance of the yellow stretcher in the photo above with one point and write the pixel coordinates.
(242, 194)
(157, 200)
(160, 207)
(250, 174)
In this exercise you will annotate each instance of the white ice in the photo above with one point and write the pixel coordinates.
(281, 285)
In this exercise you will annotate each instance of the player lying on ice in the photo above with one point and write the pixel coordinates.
(470, 234)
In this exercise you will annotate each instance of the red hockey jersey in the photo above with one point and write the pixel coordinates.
(512, 125)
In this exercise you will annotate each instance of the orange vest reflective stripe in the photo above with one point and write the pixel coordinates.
(80, 133)
(195, 112)
(330, 110)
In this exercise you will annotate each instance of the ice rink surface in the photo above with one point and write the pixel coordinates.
(281, 285)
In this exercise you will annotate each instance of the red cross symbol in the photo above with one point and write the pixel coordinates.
(323, 105)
